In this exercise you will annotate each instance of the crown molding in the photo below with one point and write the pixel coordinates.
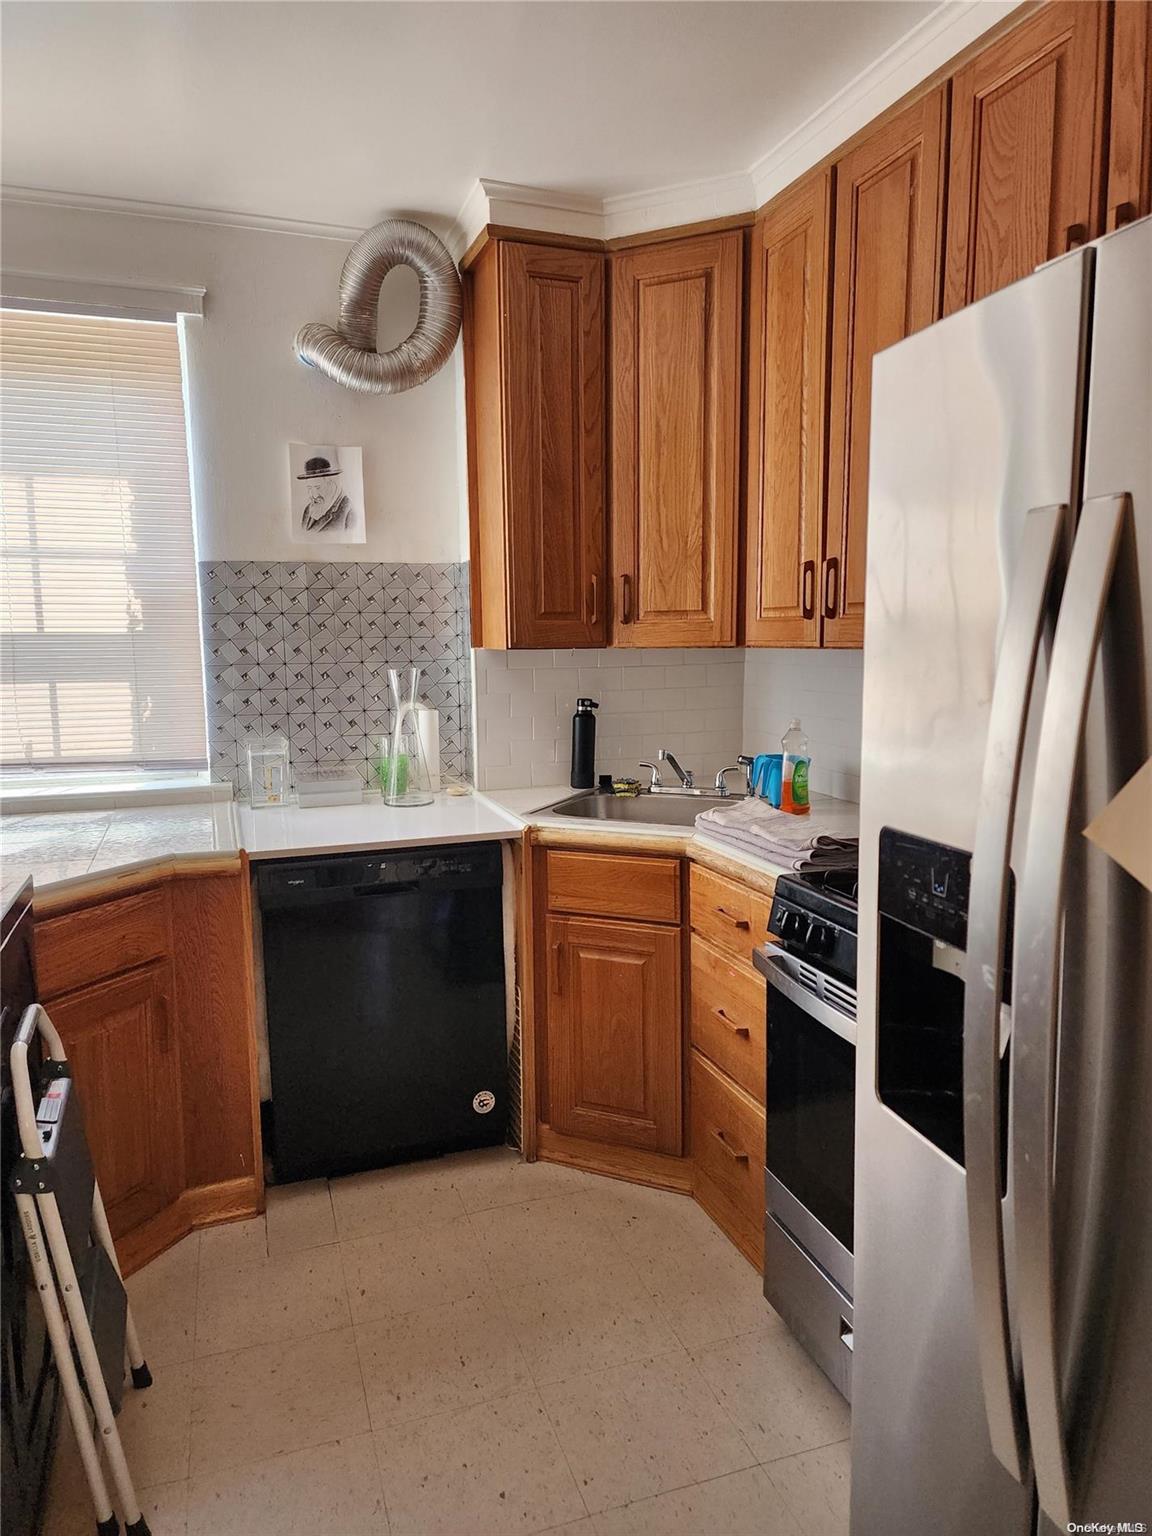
(928, 46)
(181, 213)
(944, 33)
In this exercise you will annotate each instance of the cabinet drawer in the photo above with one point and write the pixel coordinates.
(728, 1021)
(728, 1139)
(727, 914)
(614, 885)
(82, 947)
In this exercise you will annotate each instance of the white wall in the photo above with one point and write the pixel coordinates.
(689, 701)
(825, 689)
(250, 397)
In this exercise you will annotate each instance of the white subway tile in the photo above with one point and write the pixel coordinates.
(498, 778)
(495, 754)
(561, 682)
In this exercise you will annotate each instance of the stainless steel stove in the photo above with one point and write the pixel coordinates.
(810, 966)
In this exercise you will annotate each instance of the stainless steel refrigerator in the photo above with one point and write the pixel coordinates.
(1002, 1375)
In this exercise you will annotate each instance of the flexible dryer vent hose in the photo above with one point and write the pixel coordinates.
(349, 354)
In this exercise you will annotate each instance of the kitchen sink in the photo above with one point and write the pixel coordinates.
(666, 810)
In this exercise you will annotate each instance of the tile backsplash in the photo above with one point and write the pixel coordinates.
(689, 701)
(825, 688)
(304, 648)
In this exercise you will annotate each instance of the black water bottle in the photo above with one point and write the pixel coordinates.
(584, 744)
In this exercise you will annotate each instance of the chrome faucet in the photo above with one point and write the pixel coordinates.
(684, 775)
(742, 762)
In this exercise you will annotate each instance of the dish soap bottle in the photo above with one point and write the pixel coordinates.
(584, 744)
(794, 778)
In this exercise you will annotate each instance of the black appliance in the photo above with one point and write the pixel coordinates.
(384, 981)
(29, 1385)
(810, 966)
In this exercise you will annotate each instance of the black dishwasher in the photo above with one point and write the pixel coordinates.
(384, 981)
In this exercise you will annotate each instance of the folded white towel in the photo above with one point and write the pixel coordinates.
(827, 838)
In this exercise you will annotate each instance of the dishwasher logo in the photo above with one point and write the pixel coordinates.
(484, 1102)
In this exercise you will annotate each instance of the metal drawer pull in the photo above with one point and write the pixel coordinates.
(737, 1029)
(737, 1157)
(808, 590)
(737, 922)
(594, 601)
(625, 599)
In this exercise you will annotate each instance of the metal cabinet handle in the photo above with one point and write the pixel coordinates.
(737, 1029)
(1036, 987)
(594, 600)
(737, 1157)
(1121, 214)
(1027, 610)
(1075, 235)
(808, 589)
(625, 599)
(737, 922)
(558, 966)
(831, 586)
(164, 1020)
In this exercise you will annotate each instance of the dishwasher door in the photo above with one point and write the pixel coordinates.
(384, 978)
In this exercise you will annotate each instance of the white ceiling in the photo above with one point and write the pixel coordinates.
(339, 112)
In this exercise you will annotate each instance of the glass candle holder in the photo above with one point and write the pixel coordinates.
(268, 770)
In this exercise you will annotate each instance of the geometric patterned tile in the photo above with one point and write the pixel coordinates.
(303, 648)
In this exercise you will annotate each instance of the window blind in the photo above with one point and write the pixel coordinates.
(99, 625)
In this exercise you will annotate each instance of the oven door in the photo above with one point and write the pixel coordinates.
(810, 1109)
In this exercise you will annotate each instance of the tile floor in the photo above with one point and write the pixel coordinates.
(471, 1347)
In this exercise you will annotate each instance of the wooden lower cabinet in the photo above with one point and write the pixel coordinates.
(150, 984)
(729, 1023)
(614, 1037)
(119, 1038)
(727, 1144)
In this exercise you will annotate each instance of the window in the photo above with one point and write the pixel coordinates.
(99, 624)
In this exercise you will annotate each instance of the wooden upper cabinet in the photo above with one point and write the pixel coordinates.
(889, 208)
(1130, 121)
(787, 414)
(614, 1044)
(1027, 149)
(676, 338)
(119, 1039)
(536, 393)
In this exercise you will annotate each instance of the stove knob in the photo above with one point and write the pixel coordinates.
(792, 925)
(819, 939)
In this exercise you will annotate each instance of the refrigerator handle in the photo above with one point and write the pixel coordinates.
(1028, 607)
(1036, 987)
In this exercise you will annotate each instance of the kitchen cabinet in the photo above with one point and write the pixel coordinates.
(675, 390)
(614, 1032)
(787, 416)
(148, 977)
(119, 1039)
(728, 1129)
(729, 1056)
(1026, 152)
(534, 347)
(889, 209)
(1130, 117)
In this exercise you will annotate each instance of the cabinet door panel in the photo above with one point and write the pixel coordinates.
(676, 315)
(787, 414)
(118, 1036)
(553, 398)
(1027, 130)
(888, 231)
(614, 1038)
(1130, 115)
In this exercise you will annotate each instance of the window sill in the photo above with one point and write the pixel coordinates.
(22, 797)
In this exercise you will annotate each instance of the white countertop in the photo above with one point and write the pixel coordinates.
(59, 847)
(276, 831)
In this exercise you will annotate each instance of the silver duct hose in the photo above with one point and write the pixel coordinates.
(349, 354)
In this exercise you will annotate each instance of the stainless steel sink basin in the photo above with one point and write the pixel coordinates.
(667, 810)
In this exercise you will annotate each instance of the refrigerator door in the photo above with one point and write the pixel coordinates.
(975, 422)
(1083, 1073)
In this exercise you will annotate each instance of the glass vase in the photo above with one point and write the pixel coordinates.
(405, 776)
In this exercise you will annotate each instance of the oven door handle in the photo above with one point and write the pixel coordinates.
(772, 963)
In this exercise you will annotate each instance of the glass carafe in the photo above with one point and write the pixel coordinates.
(405, 777)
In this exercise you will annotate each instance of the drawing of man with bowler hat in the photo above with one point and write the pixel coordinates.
(328, 507)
